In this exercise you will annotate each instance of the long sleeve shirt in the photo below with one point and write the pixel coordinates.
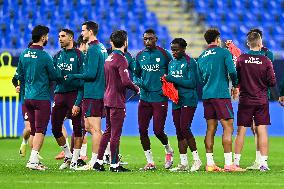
(93, 71)
(36, 70)
(117, 80)
(151, 65)
(182, 72)
(214, 66)
(256, 75)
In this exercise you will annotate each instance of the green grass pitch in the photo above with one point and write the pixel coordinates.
(13, 173)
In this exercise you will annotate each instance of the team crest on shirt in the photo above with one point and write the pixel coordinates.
(143, 58)
(158, 59)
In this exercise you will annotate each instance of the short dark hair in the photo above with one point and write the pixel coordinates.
(81, 40)
(182, 43)
(150, 31)
(38, 32)
(255, 30)
(68, 31)
(253, 39)
(118, 38)
(211, 35)
(92, 26)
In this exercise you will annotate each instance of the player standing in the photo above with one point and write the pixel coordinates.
(35, 70)
(94, 86)
(117, 82)
(256, 75)
(182, 72)
(213, 67)
(151, 65)
(68, 97)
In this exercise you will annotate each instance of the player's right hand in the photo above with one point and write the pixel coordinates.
(228, 42)
(17, 89)
(281, 100)
(235, 93)
(75, 110)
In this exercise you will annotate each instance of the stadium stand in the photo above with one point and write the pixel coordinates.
(18, 17)
(235, 18)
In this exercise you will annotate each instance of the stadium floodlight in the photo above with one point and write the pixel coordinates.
(7, 91)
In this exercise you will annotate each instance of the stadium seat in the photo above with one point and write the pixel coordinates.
(237, 17)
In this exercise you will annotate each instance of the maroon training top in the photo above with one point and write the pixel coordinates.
(255, 75)
(117, 80)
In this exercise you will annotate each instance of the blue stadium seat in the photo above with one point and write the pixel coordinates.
(23, 15)
(235, 17)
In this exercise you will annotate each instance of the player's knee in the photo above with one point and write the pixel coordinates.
(98, 131)
(114, 140)
(227, 139)
(228, 130)
(28, 129)
(78, 131)
(180, 137)
(159, 133)
(143, 132)
(186, 132)
(89, 129)
(57, 132)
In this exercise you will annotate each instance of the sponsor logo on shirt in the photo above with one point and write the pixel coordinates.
(253, 60)
(72, 59)
(30, 54)
(208, 52)
(65, 66)
(151, 67)
(177, 73)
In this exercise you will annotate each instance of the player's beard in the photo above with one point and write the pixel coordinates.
(63, 45)
(45, 43)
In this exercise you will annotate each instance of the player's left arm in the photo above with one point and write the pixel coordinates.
(124, 75)
(92, 64)
(229, 63)
(190, 82)
(81, 82)
(52, 74)
(270, 55)
(270, 74)
(137, 73)
(19, 74)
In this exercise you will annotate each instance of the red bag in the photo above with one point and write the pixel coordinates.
(236, 52)
(169, 90)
